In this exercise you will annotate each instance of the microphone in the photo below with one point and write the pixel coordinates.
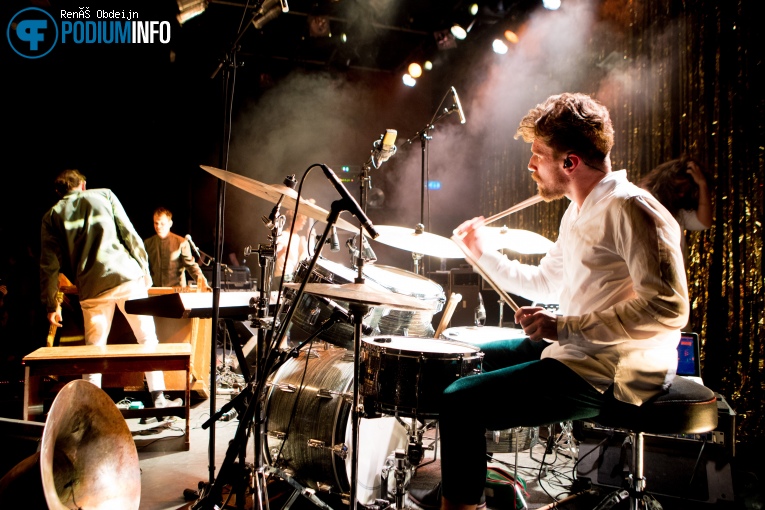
(268, 16)
(457, 103)
(353, 206)
(388, 148)
(334, 242)
(480, 312)
(344, 315)
(194, 248)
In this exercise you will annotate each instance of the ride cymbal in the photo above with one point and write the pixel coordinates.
(412, 240)
(519, 241)
(273, 192)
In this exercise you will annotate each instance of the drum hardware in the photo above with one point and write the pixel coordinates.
(367, 253)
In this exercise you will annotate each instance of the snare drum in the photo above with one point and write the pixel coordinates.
(406, 376)
(406, 322)
(480, 334)
(309, 428)
(312, 310)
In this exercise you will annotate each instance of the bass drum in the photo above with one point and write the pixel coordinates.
(310, 430)
(406, 322)
(311, 311)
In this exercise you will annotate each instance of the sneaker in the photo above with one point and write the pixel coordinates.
(163, 401)
(430, 499)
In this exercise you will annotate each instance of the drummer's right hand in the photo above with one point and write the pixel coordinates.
(470, 233)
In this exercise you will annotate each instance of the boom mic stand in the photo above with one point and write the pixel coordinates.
(424, 138)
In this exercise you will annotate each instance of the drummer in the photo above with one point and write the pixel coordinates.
(616, 271)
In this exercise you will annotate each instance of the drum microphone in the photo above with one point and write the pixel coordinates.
(480, 312)
(334, 242)
(385, 148)
(344, 315)
(458, 105)
(353, 206)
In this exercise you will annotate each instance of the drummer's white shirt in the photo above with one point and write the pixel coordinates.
(617, 273)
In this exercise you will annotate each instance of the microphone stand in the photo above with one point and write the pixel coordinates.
(228, 64)
(424, 138)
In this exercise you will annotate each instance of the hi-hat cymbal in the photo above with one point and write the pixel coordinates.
(519, 241)
(273, 192)
(362, 293)
(423, 243)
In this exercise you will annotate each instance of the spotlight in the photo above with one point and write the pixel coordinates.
(188, 9)
(428, 65)
(511, 36)
(409, 81)
(318, 26)
(458, 32)
(499, 47)
(415, 70)
(552, 5)
(473, 9)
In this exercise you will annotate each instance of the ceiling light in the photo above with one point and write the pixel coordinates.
(511, 36)
(409, 81)
(551, 4)
(499, 47)
(318, 26)
(458, 32)
(415, 70)
(188, 9)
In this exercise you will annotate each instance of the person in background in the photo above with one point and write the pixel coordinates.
(681, 187)
(88, 236)
(298, 248)
(616, 271)
(170, 255)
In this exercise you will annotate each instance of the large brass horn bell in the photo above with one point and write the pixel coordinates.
(87, 457)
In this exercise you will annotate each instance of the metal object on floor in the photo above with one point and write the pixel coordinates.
(87, 457)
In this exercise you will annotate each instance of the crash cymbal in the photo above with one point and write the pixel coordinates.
(362, 293)
(519, 241)
(414, 241)
(273, 192)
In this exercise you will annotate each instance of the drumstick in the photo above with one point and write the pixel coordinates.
(517, 207)
(451, 305)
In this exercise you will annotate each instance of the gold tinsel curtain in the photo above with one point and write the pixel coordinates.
(685, 77)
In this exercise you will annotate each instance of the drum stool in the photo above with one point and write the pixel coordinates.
(685, 408)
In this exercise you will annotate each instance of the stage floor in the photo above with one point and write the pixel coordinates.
(548, 473)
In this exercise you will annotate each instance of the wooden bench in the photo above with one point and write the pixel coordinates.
(90, 359)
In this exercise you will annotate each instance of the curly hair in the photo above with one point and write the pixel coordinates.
(67, 181)
(570, 122)
(666, 181)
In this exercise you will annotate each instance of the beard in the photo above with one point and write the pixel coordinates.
(553, 189)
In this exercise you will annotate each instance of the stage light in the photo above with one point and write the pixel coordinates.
(343, 37)
(409, 81)
(511, 36)
(473, 9)
(428, 65)
(552, 5)
(415, 70)
(499, 47)
(458, 32)
(188, 9)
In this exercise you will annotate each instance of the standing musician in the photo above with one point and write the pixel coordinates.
(617, 272)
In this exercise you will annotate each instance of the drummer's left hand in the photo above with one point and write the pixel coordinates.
(537, 322)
